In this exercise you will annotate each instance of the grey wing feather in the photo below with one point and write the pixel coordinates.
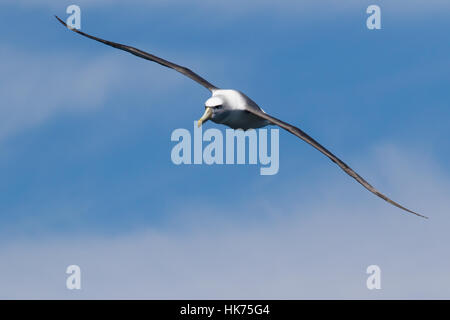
(302, 135)
(142, 54)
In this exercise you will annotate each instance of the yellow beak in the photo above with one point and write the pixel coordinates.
(205, 117)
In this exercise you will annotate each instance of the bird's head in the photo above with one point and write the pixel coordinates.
(213, 107)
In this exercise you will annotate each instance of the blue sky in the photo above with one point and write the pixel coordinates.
(85, 142)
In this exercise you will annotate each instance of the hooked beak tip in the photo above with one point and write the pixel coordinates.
(206, 116)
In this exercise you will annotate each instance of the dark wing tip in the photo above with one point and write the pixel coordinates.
(385, 198)
(420, 215)
(302, 135)
(65, 24)
(60, 20)
(417, 214)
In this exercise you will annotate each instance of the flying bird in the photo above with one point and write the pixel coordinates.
(237, 111)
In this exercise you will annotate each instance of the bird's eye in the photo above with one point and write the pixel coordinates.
(219, 107)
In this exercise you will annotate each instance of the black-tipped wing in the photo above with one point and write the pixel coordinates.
(302, 135)
(148, 56)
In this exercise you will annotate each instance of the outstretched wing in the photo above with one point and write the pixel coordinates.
(305, 137)
(187, 72)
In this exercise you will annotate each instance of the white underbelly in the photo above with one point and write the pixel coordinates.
(240, 119)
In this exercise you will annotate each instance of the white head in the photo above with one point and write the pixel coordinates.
(213, 106)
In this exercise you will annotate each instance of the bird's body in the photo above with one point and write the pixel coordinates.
(235, 110)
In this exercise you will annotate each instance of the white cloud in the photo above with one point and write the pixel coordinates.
(40, 85)
(319, 249)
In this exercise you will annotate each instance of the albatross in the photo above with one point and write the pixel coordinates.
(237, 111)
